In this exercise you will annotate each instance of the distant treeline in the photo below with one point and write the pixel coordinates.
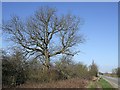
(116, 71)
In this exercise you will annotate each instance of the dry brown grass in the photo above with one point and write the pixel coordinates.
(71, 83)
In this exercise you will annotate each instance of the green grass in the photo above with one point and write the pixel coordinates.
(101, 83)
(104, 83)
(92, 85)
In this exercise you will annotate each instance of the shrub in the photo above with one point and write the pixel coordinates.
(14, 70)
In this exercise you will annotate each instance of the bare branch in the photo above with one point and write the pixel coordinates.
(42, 29)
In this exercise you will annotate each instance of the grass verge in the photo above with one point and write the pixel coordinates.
(69, 83)
(104, 83)
(101, 83)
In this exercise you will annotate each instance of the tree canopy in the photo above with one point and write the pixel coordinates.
(45, 34)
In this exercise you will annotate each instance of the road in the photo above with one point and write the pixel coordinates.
(113, 81)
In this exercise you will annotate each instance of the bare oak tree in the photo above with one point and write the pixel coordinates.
(45, 34)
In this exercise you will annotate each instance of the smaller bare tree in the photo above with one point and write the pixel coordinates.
(93, 69)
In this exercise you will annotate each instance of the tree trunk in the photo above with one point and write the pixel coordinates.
(47, 61)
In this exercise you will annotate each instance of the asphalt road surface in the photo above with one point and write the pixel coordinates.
(115, 82)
